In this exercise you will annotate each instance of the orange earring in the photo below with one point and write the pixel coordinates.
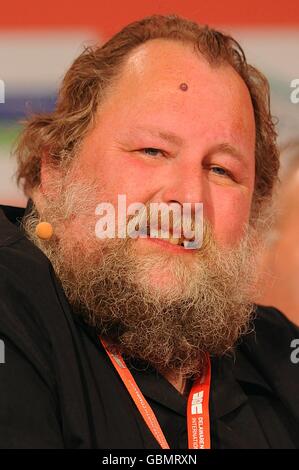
(44, 230)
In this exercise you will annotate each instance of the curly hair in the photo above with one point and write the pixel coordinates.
(89, 78)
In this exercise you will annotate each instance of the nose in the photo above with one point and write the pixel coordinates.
(183, 184)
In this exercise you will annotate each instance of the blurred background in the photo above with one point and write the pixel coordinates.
(39, 40)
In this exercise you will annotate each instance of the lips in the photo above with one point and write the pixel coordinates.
(173, 240)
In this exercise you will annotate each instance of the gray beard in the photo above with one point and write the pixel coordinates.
(170, 330)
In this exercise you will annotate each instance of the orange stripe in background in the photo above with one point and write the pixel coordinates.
(108, 16)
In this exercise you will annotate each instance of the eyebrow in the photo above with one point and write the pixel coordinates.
(223, 147)
(164, 135)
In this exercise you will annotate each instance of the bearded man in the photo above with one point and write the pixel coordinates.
(141, 342)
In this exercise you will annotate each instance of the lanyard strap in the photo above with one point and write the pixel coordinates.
(198, 422)
(198, 416)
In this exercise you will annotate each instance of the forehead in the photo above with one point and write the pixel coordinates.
(217, 99)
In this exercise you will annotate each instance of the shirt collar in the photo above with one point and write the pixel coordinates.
(157, 388)
(230, 374)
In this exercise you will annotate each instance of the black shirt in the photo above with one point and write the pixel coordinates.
(58, 388)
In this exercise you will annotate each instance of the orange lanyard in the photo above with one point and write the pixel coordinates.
(198, 421)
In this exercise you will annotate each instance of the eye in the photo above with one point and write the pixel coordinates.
(218, 170)
(151, 151)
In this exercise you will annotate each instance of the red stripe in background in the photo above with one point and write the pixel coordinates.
(108, 16)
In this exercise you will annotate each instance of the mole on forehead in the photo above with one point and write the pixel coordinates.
(183, 86)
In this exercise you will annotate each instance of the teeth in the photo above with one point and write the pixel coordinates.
(164, 235)
(191, 245)
(174, 241)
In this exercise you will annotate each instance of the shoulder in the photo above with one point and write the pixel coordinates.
(270, 338)
(26, 274)
(271, 329)
(271, 315)
(33, 307)
(268, 350)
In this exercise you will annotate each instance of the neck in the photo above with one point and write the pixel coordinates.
(177, 381)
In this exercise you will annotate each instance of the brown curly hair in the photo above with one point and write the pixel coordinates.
(60, 133)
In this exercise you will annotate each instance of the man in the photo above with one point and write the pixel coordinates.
(141, 342)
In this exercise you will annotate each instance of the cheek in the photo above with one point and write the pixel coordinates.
(228, 210)
(125, 175)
